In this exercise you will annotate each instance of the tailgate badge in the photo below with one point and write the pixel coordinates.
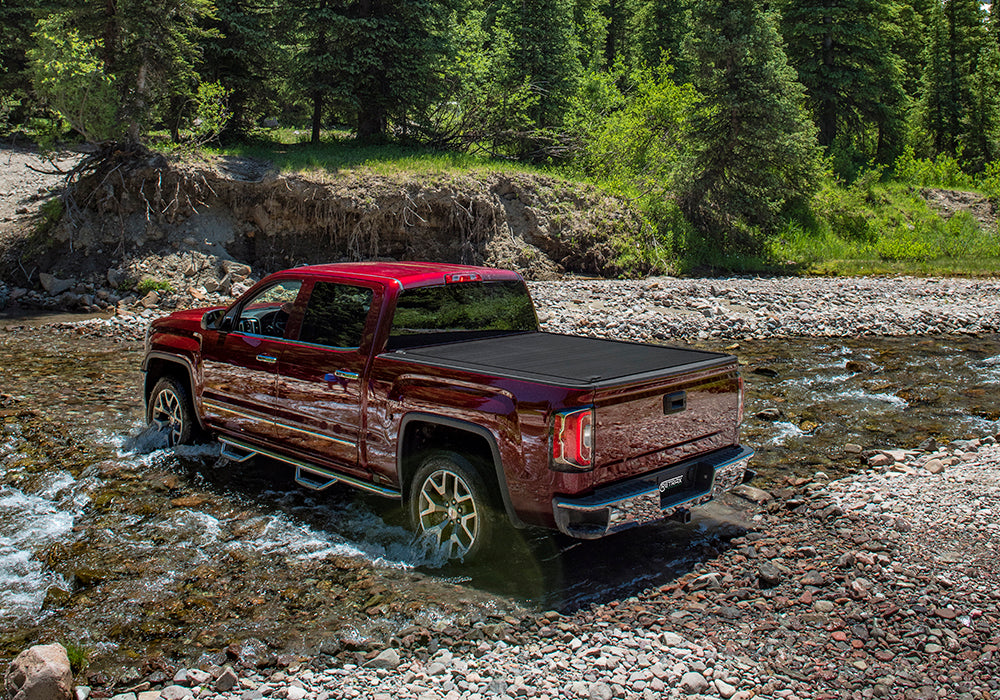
(670, 483)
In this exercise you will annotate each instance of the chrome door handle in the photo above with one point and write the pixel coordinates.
(344, 374)
(267, 359)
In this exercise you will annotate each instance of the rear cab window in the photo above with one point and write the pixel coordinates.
(336, 315)
(462, 311)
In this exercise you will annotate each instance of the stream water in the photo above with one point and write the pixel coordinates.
(142, 554)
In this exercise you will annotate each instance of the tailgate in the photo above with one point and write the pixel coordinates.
(645, 425)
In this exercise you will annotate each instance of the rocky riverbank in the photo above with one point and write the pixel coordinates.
(663, 309)
(884, 584)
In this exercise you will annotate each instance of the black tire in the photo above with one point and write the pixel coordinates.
(169, 407)
(451, 507)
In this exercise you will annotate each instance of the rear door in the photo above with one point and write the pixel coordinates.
(320, 394)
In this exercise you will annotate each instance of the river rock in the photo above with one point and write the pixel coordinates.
(600, 691)
(40, 673)
(53, 285)
(725, 690)
(694, 682)
(934, 466)
(752, 493)
(175, 692)
(388, 659)
(880, 460)
(769, 575)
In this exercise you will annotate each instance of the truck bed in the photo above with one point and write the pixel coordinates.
(564, 360)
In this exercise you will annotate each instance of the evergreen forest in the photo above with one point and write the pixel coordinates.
(751, 135)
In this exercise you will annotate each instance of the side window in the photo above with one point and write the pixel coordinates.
(335, 315)
(267, 312)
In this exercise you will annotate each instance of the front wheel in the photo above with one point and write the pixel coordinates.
(450, 506)
(169, 409)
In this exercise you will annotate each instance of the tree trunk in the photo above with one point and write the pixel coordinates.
(135, 126)
(828, 105)
(371, 123)
(317, 118)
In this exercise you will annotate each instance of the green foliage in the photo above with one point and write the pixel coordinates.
(941, 171)
(633, 139)
(79, 656)
(148, 285)
(70, 78)
(754, 148)
(880, 227)
(844, 60)
(211, 111)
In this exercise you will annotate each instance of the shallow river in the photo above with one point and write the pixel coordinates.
(143, 555)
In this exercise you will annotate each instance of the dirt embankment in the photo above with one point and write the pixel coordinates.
(228, 209)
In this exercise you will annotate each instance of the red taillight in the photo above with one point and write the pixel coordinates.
(573, 438)
(463, 277)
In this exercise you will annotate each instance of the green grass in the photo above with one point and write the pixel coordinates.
(291, 151)
(886, 229)
(148, 285)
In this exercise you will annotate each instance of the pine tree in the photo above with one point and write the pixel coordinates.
(541, 49)
(658, 27)
(592, 31)
(843, 58)
(754, 146)
(243, 57)
(908, 37)
(380, 59)
(983, 131)
(17, 24)
(957, 34)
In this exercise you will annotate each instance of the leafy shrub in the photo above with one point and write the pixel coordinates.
(941, 171)
(902, 244)
(148, 285)
(70, 78)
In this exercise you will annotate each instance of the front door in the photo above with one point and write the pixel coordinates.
(320, 390)
(240, 366)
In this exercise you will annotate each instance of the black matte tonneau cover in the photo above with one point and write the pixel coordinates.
(565, 360)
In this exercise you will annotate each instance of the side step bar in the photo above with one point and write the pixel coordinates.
(304, 477)
(234, 453)
(306, 474)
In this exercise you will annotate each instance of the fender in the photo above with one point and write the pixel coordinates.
(475, 429)
(189, 368)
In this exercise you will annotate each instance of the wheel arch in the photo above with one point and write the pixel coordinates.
(465, 438)
(161, 364)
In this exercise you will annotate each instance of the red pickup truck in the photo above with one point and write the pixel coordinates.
(432, 384)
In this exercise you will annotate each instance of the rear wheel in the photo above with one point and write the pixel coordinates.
(450, 506)
(169, 409)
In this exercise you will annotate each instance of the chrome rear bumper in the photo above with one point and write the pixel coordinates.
(666, 493)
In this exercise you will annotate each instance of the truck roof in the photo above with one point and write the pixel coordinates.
(408, 274)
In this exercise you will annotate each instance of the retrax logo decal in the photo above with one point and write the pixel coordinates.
(671, 482)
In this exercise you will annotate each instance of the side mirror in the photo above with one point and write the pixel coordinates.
(211, 320)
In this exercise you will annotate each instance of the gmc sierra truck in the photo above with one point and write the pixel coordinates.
(433, 385)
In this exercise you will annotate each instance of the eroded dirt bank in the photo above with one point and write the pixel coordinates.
(137, 207)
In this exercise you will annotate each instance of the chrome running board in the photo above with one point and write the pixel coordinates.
(306, 474)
